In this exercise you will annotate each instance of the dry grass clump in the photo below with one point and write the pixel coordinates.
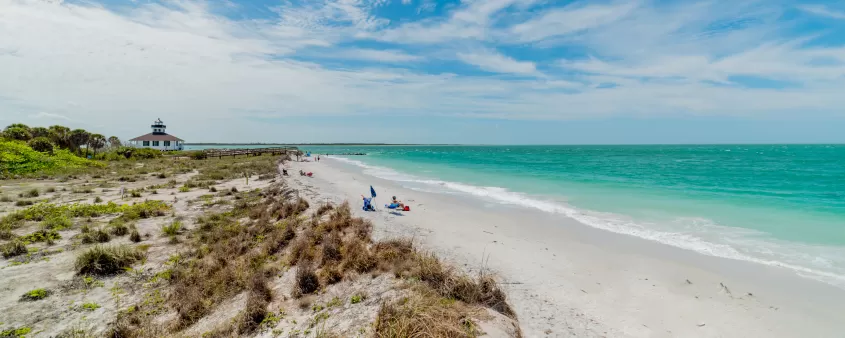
(306, 281)
(107, 260)
(357, 257)
(135, 236)
(95, 236)
(331, 248)
(323, 209)
(118, 229)
(14, 248)
(258, 298)
(424, 314)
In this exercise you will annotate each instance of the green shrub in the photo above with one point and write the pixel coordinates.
(43, 235)
(107, 260)
(30, 193)
(20, 332)
(172, 229)
(23, 203)
(184, 188)
(90, 306)
(356, 298)
(17, 158)
(14, 248)
(98, 199)
(57, 221)
(5, 199)
(18, 132)
(41, 144)
(41, 211)
(36, 294)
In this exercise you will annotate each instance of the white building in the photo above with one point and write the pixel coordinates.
(158, 139)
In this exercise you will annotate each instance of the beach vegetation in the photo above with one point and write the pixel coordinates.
(264, 232)
(43, 235)
(13, 248)
(172, 229)
(19, 332)
(41, 144)
(90, 306)
(135, 236)
(24, 203)
(118, 228)
(424, 314)
(19, 159)
(37, 294)
(30, 193)
(95, 236)
(107, 260)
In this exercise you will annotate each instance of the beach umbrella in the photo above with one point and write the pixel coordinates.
(372, 192)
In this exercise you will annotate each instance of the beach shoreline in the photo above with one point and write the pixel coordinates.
(567, 279)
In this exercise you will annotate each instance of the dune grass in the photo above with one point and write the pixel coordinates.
(237, 250)
(107, 260)
(172, 229)
(14, 248)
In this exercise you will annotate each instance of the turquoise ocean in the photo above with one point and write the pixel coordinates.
(780, 205)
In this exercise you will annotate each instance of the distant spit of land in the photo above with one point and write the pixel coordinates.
(307, 144)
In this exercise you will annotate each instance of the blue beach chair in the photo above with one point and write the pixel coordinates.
(368, 205)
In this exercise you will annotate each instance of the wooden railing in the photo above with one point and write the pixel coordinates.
(220, 153)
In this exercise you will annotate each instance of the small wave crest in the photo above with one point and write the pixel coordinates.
(697, 234)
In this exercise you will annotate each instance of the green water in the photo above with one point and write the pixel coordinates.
(780, 205)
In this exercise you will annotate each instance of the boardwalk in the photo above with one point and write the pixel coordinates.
(220, 153)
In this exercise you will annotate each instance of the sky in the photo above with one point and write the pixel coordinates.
(426, 71)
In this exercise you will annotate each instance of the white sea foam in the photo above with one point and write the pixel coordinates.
(696, 234)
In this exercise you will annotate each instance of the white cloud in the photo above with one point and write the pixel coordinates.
(471, 21)
(570, 19)
(822, 10)
(382, 55)
(43, 115)
(406, 2)
(493, 61)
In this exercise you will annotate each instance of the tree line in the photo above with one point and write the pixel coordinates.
(46, 139)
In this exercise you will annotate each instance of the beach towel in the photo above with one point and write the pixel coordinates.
(392, 205)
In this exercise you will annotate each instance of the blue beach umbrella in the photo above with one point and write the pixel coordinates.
(372, 192)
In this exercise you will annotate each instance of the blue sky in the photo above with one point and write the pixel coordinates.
(424, 71)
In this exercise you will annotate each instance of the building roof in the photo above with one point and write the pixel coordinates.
(156, 137)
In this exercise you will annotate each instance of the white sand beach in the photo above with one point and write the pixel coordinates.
(566, 279)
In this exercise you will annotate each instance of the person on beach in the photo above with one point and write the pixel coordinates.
(395, 203)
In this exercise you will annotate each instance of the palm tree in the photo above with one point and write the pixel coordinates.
(96, 141)
(78, 138)
(39, 132)
(60, 135)
(114, 142)
(17, 133)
